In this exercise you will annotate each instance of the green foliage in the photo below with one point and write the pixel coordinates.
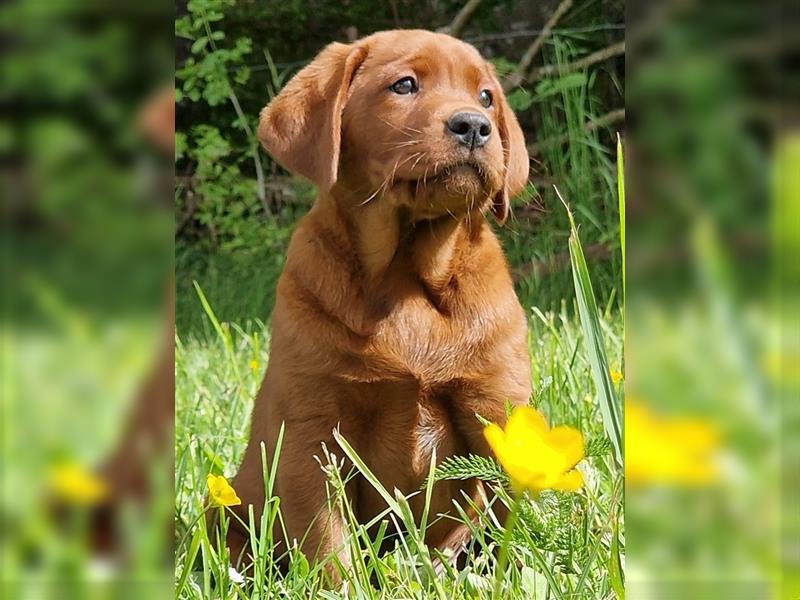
(204, 75)
(577, 160)
(224, 198)
(558, 85)
(217, 198)
(552, 523)
(520, 99)
(598, 447)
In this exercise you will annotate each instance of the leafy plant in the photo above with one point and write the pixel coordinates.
(219, 197)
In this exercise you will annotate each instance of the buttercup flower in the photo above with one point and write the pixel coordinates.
(77, 485)
(222, 494)
(616, 376)
(535, 456)
(668, 450)
(254, 365)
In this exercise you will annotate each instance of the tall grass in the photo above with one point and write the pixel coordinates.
(582, 166)
(587, 309)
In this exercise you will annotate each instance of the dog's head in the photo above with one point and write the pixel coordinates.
(410, 117)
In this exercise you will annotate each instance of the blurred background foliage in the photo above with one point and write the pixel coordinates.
(704, 337)
(77, 173)
(235, 207)
(86, 255)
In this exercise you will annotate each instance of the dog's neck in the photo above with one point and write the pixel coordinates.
(385, 237)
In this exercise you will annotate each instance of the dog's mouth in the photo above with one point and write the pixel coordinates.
(453, 189)
(458, 174)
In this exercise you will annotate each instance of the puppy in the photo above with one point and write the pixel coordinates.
(396, 319)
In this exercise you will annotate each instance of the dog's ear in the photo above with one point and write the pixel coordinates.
(302, 126)
(515, 156)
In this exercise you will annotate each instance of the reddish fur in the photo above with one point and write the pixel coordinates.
(396, 318)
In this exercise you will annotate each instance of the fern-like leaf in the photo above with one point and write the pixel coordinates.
(470, 467)
(599, 446)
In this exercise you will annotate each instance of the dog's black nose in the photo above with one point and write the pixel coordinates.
(470, 129)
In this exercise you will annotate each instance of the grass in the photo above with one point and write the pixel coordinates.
(565, 546)
(583, 169)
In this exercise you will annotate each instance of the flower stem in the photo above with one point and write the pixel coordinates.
(502, 559)
(192, 524)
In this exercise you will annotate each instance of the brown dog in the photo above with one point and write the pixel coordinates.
(396, 318)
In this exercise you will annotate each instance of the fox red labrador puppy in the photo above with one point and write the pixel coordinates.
(396, 319)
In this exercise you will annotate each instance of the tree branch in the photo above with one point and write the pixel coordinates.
(518, 76)
(461, 19)
(588, 61)
(614, 116)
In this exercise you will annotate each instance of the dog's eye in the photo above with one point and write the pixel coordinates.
(406, 85)
(485, 98)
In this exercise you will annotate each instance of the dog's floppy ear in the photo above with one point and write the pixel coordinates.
(302, 126)
(515, 156)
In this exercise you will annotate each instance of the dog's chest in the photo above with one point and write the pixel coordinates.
(431, 347)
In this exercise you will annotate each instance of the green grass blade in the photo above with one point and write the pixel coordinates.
(596, 352)
(428, 494)
(400, 508)
(210, 313)
(365, 471)
(621, 197)
(189, 559)
(276, 454)
(223, 332)
(616, 574)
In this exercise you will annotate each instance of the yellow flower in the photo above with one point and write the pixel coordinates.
(668, 450)
(222, 494)
(535, 456)
(75, 484)
(616, 376)
(254, 365)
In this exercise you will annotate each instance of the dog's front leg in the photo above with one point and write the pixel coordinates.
(313, 520)
(487, 397)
